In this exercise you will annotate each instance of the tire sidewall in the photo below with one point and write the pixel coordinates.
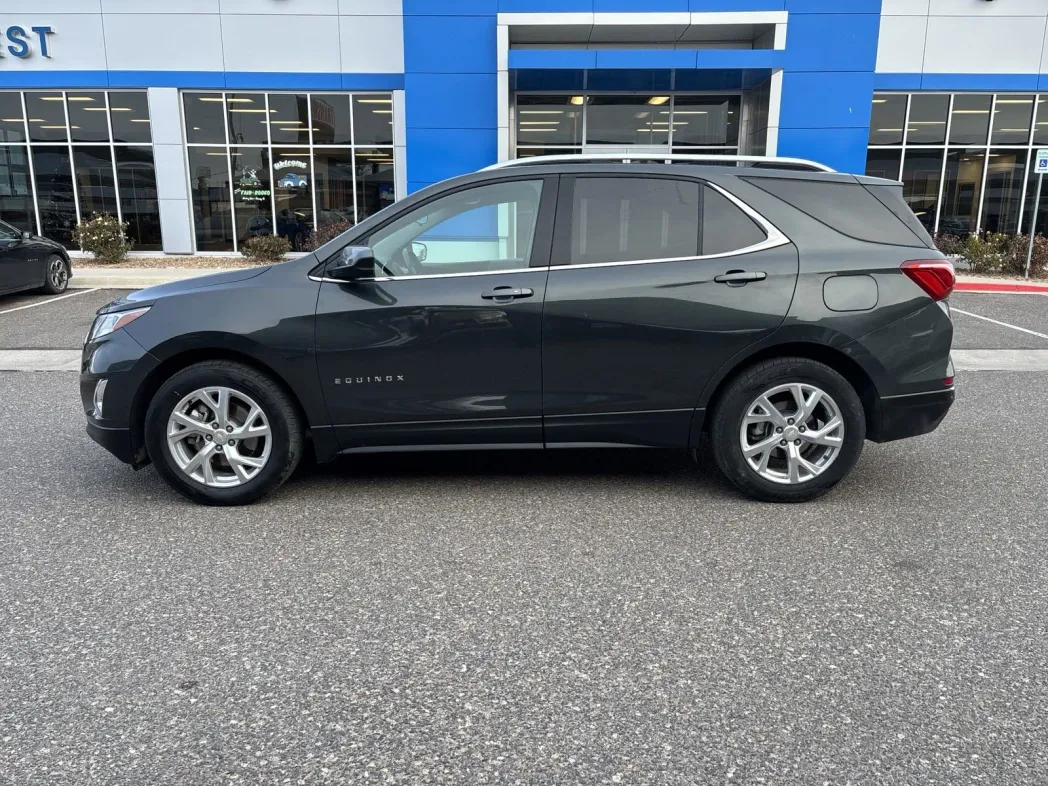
(178, 387)
(732, 410)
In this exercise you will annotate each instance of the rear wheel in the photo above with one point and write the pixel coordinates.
(223, 433)
(788, 430)
(57, 275)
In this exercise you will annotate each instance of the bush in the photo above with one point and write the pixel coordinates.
(989, 253)
(1016, 263)
(325, 233)
(950, 245)
(104, 237)
(266, 249)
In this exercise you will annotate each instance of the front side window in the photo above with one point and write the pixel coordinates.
(487, 228)
(619, 219)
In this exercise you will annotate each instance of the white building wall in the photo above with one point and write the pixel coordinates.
(283, 36)
(963, 37)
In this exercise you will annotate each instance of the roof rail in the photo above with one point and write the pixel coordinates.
(762, 162)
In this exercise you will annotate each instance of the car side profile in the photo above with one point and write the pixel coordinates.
(28, 261)
(783, 312)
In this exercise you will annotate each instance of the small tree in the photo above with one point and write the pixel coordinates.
(266, 249)
(103, 236)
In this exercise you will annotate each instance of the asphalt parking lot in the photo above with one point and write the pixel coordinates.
(615, 617)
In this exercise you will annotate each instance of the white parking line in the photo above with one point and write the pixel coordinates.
(51, 300)
(1000, 359)
(1002, 324)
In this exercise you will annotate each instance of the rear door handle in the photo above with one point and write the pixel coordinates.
(740, 277)
(505, 294)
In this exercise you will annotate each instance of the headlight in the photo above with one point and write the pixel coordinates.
(107, 323)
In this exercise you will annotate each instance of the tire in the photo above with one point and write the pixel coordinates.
(219, 479)
(738, 408)
(56, 275)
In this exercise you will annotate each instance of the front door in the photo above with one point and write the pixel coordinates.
(21, 263)
(443, 346)
(647, 298)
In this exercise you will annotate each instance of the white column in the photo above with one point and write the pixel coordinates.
(774, 106)
(172, 179)
(400, 146)
(502, 76)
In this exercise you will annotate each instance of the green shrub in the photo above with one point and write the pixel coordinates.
(325, 233)
(988, 253)
(103, 236)
(950, 245)
(266, 249)
(1016, 264)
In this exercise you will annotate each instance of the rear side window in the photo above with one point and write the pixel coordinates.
(619, 219)
(725, 227)
(846, 207)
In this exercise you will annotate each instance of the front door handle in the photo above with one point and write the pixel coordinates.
(506, 294)
(738, 278)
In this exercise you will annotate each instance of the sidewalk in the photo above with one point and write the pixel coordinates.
(134, 277)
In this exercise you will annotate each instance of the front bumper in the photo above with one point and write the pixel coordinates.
(116, 440)
(910, 416)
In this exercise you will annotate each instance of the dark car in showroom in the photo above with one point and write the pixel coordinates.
(28, 261)
(780, 311)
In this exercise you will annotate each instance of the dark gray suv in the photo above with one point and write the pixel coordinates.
(787, 312)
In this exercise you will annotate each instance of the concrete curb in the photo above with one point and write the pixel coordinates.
(135, 278)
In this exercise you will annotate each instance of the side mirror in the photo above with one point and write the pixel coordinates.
(27, 236)
(354, 262)
(420, 250)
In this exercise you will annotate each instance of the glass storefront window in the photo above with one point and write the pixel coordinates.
(88, 119)
(970, 119)
(136, 186)
(962, 184)
(883, 163)
(1040, 128)
(54, 193)
(95, 186)
(627, 120)
(927, 125)
(1011, 120)
(247, 115)
(129, 114)
(887, 119)
(701, 120)
(252, 192)
(549, 120)
(47, 120)
(209, 188)
(16, 195)
(12, 119)
(1005, 176)
(921, 174)
(205, 118)
(527, 152)
(315, 169)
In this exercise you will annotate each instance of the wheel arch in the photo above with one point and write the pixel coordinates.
(175, 363)
(844, 364)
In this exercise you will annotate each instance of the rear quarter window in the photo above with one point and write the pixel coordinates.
(847, 208)
(725, 228)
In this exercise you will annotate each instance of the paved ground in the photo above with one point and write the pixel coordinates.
(38, 322)
(585, 617)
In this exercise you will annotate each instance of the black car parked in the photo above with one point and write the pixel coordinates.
(787, 312)
(31, 262)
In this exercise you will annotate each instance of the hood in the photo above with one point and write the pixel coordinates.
(152, 294)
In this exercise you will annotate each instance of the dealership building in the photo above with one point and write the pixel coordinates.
(203, 123)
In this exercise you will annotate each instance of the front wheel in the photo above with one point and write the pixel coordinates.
(223, 433)
(788, 430)
(57, 275)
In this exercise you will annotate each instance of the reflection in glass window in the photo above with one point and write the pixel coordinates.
(87, 117)
(486, 228)
(246, 114)
(927, 124)
(970, 119)
(289, 118)
(1040, 128)
(54, 193)
(293, 193)
(1004, 190)
(921, 173)
(47, 121)
(961, 187)
(886, 121)
(527, 152)
(549, 120)
(331, 120)
(375, 188)
(16, 196)
(372, 120)
(136, 185)
(12, 125)
(883, 163)
(209, 186)
(93, 168)
(627, 119)
(252, 192)
(129, 113)
(205, 118)
(704, 120)
(1041, 224)
(333, 175)
(1011, 120)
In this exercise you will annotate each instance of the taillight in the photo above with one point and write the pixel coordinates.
(934, 276)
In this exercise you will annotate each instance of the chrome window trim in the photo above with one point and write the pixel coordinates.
(774, 239)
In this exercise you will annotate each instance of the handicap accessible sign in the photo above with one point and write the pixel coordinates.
(1042, 162)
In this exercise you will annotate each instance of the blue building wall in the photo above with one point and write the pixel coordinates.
(451, 91)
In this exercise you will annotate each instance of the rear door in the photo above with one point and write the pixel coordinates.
(655, 281)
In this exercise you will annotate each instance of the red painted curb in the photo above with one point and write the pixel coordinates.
(1003, 286)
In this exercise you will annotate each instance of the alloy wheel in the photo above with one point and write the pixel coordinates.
(57, 274)
(792, 433)
(219, 436)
